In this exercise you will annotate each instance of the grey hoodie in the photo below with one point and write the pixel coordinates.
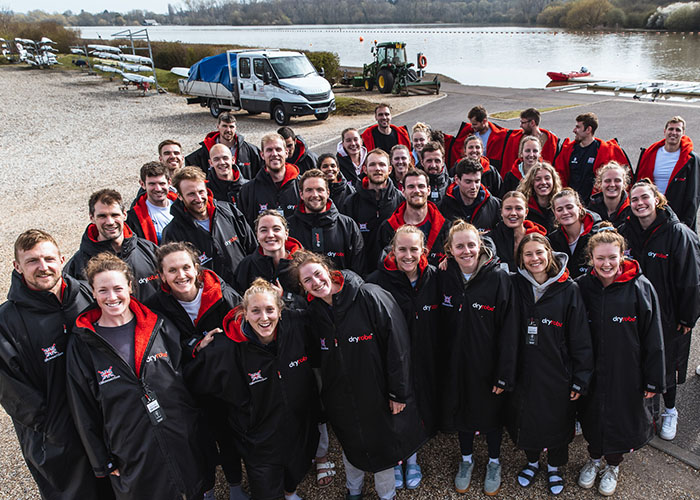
(539, 290)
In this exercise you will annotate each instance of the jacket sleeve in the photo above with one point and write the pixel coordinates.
(507, 332)
(21, 400)
(245, 199)
(198, 158)
(651, 338)
(579, 343)
(686, 275)
(392, 332)
(691, 198)
(134, 223)
(356, 248)
(86, 410)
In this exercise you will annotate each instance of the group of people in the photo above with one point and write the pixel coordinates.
(410, 284)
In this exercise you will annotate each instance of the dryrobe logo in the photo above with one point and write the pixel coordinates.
(231, 241)
(155, 357)
(51, 353)
(361, 338)
(256, 377)
(655, 255)
(107, 375)
(624, 319)
(480, 307)
(551, 322)
(430, 307)
(143, 281)
(324, 347)
(335, 254)
(294, 364)
(447, 300)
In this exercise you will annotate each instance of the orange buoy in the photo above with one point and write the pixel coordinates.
(362, 39)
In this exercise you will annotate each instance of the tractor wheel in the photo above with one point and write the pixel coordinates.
(385, 81)
(369, 84)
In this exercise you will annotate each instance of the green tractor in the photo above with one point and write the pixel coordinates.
(392, 73)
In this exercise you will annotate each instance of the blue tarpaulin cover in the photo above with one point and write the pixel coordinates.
(214, 69)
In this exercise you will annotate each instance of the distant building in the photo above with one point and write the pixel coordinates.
(150, 22)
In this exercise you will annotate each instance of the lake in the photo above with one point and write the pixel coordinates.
(498, 56)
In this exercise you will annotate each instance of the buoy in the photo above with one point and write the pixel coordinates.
(422, 61)
(362, 39)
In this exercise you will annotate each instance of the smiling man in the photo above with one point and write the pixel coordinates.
(170, 155)
(223, 177)
(468, 199)
(245, 156)
(216, 228)
(319, 227)
(384, 135)
(275, 186)
(107, 232)
(150, 212)
(674, 167)
(417, 211)
(34, 329)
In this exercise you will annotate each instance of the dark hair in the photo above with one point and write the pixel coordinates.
(168, 142)
(349, 129)
(437, 136)
(431, 147)
(302, 257)
(153, 169)
(106, 197)
(531, 114)
(313, 173)
(588, 120)
(178, 246)
(381, 105)
(31, 238)
(468, 166)
(325, 156)
(646, 182)
(286, 133)
(478, 113)
(416, 172)
(226, 117)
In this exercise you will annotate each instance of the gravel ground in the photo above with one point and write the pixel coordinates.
(65, 134)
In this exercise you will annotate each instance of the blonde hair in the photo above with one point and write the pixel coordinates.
(258, 286)
(269, 138)
(527, 184)
(514, 194)
(613, 165)
(408, 229)
(421, 127)
(31, 238)
(606, 234)
(528, 138)
(461, 225)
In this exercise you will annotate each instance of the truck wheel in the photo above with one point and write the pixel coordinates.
(214, 108)
(322, 116)
(385, 81)
(280, 115)
(369, 84)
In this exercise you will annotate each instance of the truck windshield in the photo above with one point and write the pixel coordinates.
(292, 67)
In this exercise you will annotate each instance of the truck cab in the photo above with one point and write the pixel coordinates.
(282, 83)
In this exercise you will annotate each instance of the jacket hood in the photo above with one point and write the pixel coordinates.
(320, 219)
(648, 160)
(560, 277)
(589, 220)
(40, 301)
(363, 153)
(291, 246)
(141, 211)
(146, 321)
(91, 246)
(629, 268)
(434, 216)
(179, 210)
(213, 137)
(291, 172)
(211, 292)
(390, 265)
(440, 179)
(598, 199)
(533, 227)
(299, 150)
(350, 284)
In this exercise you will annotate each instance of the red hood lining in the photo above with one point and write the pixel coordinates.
(141, 211)
(629, 270)
(390, 263)
(302, 207)
(646, 167)
(94, 234)
(434, 217)
(337, 278)
(291, 246)
(145, 324)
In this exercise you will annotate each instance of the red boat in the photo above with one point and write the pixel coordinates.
(556, 76)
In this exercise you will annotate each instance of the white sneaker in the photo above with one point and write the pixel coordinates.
(697, 370)
(669, 422)
(608, 480)
(586, 478)
(578, 430)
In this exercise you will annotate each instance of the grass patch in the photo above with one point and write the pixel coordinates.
(509, 115)
(351, 106)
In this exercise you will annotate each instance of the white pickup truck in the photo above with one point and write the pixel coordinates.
(282, 83)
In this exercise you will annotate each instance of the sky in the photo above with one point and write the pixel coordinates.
(158, 6)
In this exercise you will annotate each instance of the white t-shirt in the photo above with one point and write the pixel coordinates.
(663, 168)
(160, 216)
(572, 245)
(192, 308)
(204, 223)
(467, 276)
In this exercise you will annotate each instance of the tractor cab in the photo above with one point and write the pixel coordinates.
(391, 54)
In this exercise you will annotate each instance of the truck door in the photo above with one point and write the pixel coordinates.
(258, 85)
(245, 84)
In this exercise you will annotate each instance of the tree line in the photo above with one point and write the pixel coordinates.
(576, 14)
